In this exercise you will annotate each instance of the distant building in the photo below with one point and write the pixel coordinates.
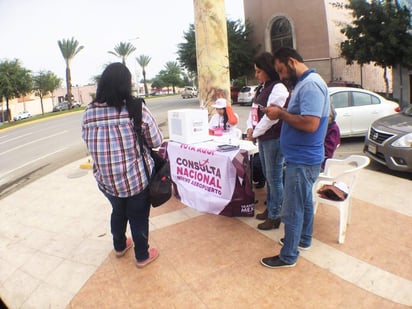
(31, 102)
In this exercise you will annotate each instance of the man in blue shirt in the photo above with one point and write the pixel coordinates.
(302, 136)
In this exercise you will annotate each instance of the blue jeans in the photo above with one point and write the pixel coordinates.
(136, 210)
(271, 158)
(297, 209)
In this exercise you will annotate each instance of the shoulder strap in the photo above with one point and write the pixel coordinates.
(136, 111)
(137, 117)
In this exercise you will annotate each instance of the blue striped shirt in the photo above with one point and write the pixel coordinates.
(111, 140)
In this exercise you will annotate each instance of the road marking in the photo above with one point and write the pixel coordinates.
(32, 142)
(13, 139)
(2, 176)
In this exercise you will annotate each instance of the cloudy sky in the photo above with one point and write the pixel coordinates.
(30, 29)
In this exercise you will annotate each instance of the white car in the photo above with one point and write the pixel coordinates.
(357, 108)
(189, 92)
(246, 95)
(22, 115)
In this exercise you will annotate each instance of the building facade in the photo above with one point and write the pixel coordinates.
(313, 29)
(32, 104)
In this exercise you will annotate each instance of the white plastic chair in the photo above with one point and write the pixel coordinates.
(345, 171)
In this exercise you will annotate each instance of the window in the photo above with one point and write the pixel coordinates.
(340, 99)
(281, 33)
(361, 99)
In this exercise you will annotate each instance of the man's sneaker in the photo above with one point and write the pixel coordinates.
(153, 254)
(275, 262)
(301, 247)
(129, 244)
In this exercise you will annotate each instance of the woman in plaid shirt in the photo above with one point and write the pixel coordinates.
(108, 130)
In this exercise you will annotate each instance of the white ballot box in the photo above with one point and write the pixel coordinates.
(188, 126)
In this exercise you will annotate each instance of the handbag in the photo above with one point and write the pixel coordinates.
(160, 182)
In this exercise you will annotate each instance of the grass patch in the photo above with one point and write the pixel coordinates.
(13, 123)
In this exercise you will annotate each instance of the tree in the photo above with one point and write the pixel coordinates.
(123, 50)
(45, 83)
(241, 50)
(69, 48)
(143, 61)
(15, 81)
(157, 82)
(187, 51)
(379, 33)
(171, 76)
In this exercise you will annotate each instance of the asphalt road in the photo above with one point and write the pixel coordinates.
(29, 151)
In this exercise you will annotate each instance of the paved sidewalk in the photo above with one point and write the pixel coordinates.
(56, 252)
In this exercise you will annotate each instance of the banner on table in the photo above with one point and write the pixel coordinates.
(202, 174)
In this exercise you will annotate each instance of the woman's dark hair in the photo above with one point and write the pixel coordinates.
(115, 86)
(284, 53)
(265, 62)
(225, 119)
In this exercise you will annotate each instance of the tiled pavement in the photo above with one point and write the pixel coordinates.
(56, 252)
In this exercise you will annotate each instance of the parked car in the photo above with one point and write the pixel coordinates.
(76, 104)
(234, 93)
(189, 92)
(356, 109)
(22, 115)
(389, 141)
(246, 95)
(61, 106)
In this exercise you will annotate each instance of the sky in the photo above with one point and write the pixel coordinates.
(30, 29)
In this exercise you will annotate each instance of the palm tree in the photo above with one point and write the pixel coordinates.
(172, 74)
(143, 61)
(69, 48)
(122, 50)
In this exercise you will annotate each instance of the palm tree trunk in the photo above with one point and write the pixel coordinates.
(69, 86)
(146, 92)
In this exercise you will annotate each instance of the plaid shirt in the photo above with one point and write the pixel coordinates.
(111, 140)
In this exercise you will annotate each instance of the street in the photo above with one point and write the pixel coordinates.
(32, 150)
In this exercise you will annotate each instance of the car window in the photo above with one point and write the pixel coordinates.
(375, 100)
(361, 99)
(340, 99)
(245, 89)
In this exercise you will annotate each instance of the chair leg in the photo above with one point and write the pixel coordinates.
(343, 222)
(315, 206)
(314, 199)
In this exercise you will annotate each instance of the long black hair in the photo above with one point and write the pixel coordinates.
(115, 86)
(265, 62)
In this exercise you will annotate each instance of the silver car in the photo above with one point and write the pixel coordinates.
(389, 141)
